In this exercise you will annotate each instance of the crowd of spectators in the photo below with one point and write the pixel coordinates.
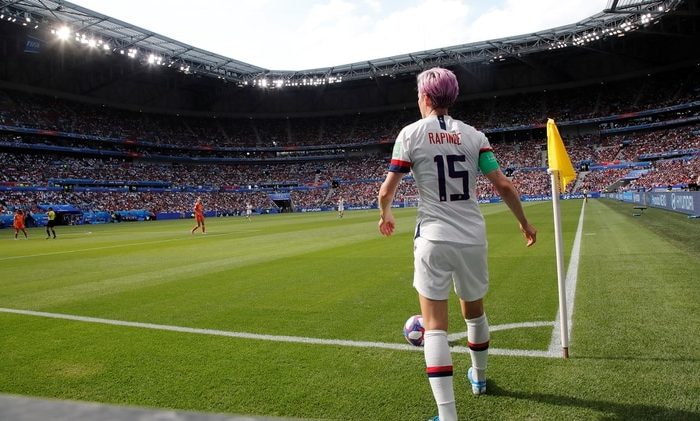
(48, 113)
(357, 193)
(668, 174)
(638, 144)
(356, 180)
(353, 174)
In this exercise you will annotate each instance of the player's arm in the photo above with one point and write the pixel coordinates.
(385, 199)
(509, 194)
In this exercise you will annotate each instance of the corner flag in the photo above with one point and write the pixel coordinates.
(557, 157)
(561, 173)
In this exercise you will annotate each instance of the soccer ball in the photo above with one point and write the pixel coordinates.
(413, 330)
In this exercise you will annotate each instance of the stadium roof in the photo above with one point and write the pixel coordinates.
(117, 37)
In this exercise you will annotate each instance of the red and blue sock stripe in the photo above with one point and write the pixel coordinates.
(439, 371)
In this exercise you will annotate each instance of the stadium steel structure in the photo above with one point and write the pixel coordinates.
(118, 37)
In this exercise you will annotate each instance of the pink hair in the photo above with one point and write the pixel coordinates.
(440, 85)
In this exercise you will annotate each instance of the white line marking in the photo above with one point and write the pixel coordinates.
(188, 237)
(74, 234)
(262, 337)
(571, 279)
(461, 335)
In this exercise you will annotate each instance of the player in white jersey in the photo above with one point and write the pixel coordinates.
(445, 156)
(248, 211)
(341, 207)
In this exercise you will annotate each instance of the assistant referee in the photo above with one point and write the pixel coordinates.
(50, 224)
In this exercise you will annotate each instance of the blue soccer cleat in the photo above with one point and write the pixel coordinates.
(478, 388)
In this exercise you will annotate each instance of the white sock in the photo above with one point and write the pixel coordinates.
(438, 363)
(478, 343)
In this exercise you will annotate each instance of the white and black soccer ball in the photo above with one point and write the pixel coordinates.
(413, 330)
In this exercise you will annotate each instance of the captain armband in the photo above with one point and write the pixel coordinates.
(487, 162)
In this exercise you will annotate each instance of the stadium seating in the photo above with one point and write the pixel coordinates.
(114, 157)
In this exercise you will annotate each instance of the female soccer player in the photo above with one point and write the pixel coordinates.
(18, 223)
(450, 247)
(199, 216)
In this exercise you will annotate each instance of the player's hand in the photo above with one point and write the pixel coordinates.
(387, 224)
(530, 233)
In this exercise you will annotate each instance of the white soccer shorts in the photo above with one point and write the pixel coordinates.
(439, 265)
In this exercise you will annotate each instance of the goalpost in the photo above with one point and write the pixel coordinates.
(411, 201)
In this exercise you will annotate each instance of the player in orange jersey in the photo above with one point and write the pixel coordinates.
(199, 216)
(18, 224)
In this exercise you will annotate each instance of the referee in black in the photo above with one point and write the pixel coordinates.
(51, 223)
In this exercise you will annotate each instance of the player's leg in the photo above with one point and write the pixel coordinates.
(471, 284)
(478, 338)
(204, 229)
(432, 279)
(48, 232)
(438, 360)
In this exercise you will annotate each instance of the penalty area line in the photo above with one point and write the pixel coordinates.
(264, 337)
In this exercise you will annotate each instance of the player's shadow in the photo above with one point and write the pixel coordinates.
(608, 410)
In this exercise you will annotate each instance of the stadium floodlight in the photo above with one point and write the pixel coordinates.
(92, 43)
(154, 59)
(62, 33)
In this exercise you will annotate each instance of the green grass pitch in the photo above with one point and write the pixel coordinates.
(635, 348)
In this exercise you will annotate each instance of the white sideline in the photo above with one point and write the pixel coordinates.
(570, 282)
(276, 338)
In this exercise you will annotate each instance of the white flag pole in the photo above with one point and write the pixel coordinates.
(561, 276)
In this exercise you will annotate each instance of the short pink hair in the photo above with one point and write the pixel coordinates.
(440, 85)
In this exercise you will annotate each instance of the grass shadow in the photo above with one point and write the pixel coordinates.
(608, 410)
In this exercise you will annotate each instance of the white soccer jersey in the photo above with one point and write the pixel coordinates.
(443, 154)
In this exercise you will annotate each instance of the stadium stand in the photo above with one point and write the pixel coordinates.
(626, 126)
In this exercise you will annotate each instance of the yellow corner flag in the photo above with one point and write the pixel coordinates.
(558, 158)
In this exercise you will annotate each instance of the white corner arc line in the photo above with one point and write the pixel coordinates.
(570, 285)
(507, 326)
(263, 337)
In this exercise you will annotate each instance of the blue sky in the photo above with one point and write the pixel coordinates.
(308, 34)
